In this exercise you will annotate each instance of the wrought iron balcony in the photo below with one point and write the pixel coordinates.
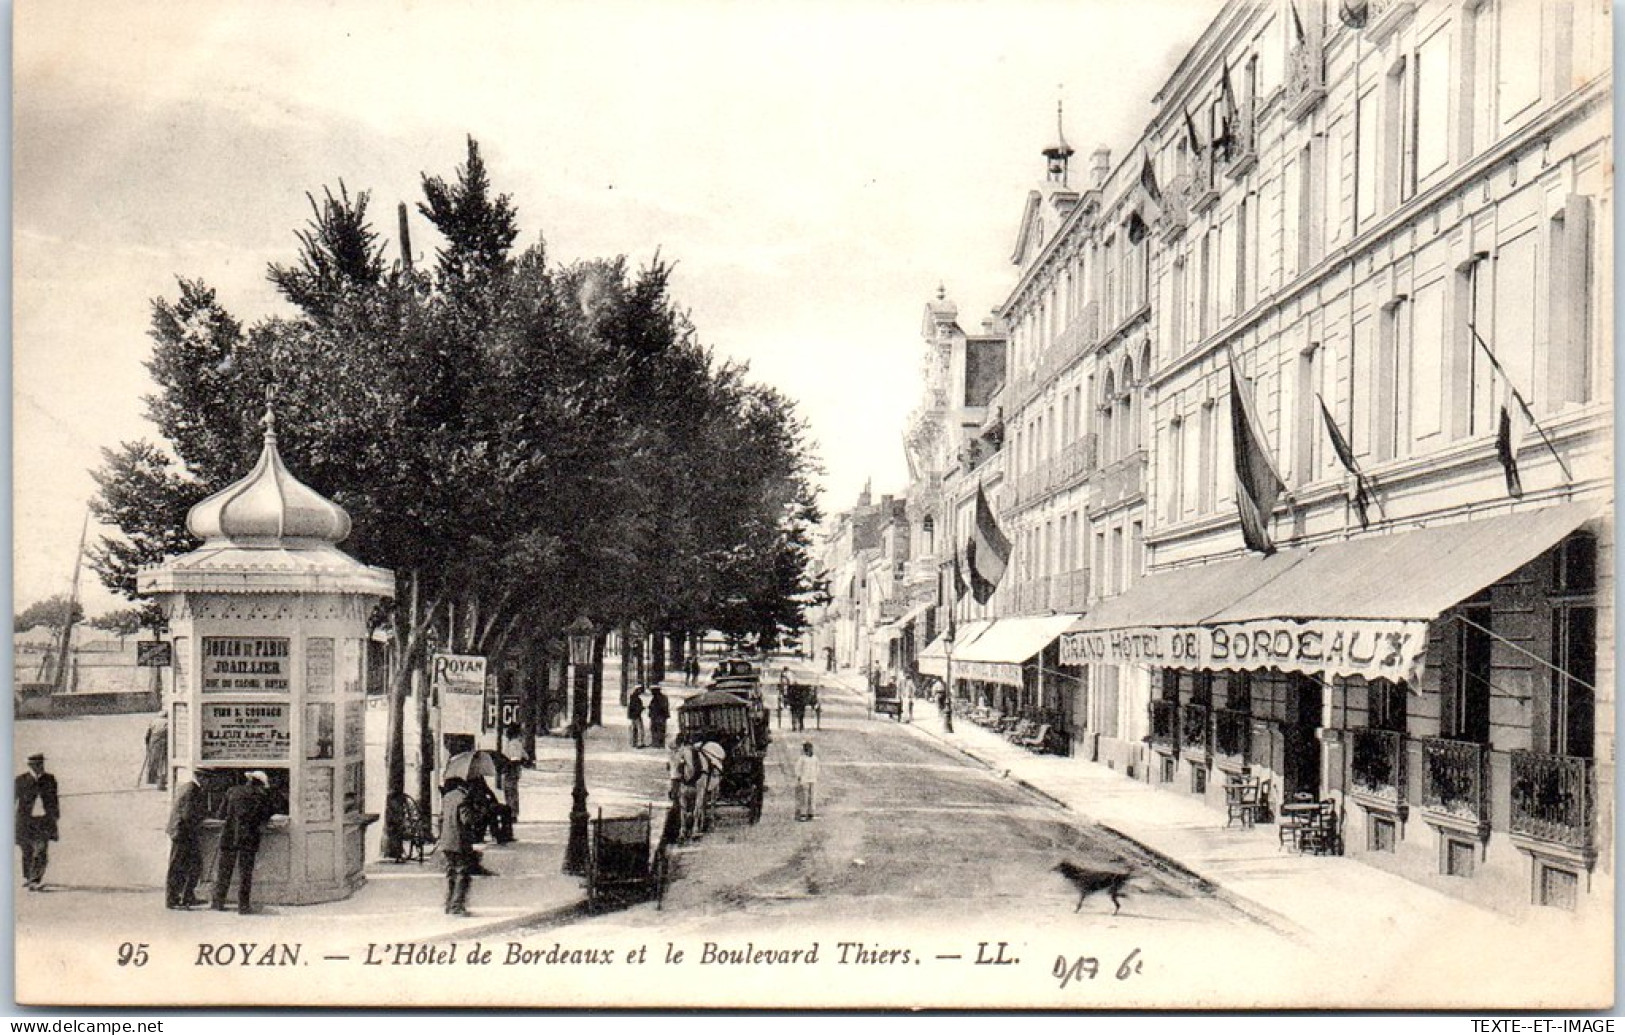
(1165, 723)
(1305, 78)
(1232, 733)
(1119, 480)
(1377, 764)
(1553, 798)
(1241, 152)
(1454, 779)
(1193, 727)
(1384, 16)
(1175, 213)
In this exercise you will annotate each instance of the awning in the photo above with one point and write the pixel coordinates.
(997, 654)
(1354, 608)
(933, 660)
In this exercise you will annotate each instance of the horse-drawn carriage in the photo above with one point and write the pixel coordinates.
(739, 725)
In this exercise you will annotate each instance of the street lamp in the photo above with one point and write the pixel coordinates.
(579, 634)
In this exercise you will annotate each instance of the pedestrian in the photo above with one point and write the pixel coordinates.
(155, 764)
(945, 705)
(37, 815)
(659, 712)
(455, 844)
(483, 815)
(712, 757)
(798, 707)
(806, 781)
(513, 753)
(818, 709)
(690, 772)
(691, 669)
(185, 831)
(634, 713)
(248, 809)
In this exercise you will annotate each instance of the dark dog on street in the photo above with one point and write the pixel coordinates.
(1088, 882)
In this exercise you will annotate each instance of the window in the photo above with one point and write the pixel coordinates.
(1572, 724)
(1102, 575)
(1465, 676)
(1366, 156)
(1361, 388)
(1382, 833)
(1176, 308)
(1569, 369)
(1136, 557)
(1427, 356)
(1118, 561)
(1517, 321)
(1399, 158)
(1386, 705)
(1311, 434)
(1242, 278)
(1432, 118)
(1204, 281)
(1388, 394)
(1308, 230)
(1176, 469)
(1518, 57)
(1206, 476)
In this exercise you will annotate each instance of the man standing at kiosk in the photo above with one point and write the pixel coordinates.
(248, 809)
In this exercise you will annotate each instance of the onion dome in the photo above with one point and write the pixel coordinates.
(268, 507)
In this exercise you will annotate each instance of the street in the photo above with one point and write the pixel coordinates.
(910, 832)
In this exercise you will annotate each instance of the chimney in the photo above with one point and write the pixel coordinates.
(1100, 166)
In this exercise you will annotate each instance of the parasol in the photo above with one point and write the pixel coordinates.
(470, 764)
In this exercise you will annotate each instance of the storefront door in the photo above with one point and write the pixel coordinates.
(1300, 764)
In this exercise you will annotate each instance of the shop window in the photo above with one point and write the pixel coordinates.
(1170, 684)
(1199, 779)
(1557, 887)
(1387, 705)
(1460, 857)
(1237, 688)
(1574, 567)
(1382, 834)
(1573, 703)
(1465, 679)
(1200, 688)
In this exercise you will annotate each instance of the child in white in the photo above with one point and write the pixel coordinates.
(806, 781)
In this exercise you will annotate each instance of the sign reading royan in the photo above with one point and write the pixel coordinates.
(1338, 647)
(459, 682)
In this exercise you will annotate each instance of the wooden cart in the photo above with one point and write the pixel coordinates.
(623, 862)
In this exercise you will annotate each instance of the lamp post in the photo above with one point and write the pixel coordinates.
(580, 635)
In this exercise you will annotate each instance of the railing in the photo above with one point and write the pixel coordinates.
(1119, 480)
(1377, 763)
(1193, 726)
(1242, 152)
(1165, 723)
(1553, 798)
(1232, 733)
(1453, 778)
(1305, 78)
(1176, 208)
(1384, 16)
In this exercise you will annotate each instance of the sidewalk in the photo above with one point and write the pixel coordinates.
(1335, 901)
(399, 902)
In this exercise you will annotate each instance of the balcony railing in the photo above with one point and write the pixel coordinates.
(1193, 727)
(1232, 733)
(1175, 213)
(1384, 16)
(1553, 798)
(1305, 78)
(1242, 152)
(1165, 723)
(1377, 764)
(1454, 780)
(1119, 480)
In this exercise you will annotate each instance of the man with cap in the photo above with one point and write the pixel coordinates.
(248, 809)
(185, 829)
(37, 813)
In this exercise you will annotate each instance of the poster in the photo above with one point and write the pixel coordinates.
(245, 663)
(244, 733)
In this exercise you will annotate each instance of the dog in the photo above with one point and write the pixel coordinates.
(1088, 882)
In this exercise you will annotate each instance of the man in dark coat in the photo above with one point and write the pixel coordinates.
(185, 843)
(659, 712)
(37, 813)
(456, 844)
(248, 809)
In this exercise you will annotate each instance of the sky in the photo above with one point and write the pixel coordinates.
(816, 169)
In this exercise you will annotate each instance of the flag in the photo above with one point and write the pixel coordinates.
(1297, 23)
(960, 588)
(1516, 420)
(1345, 456)
(1190, 134)
(1232, 115)
(1509, 434)
(1137, 228)
(1257, 483)
(1148, 181)
(988, 552)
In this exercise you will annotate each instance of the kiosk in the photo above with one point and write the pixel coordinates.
(270, 623)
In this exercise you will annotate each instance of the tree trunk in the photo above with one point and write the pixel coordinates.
(674, 645)
(626, 665)
(597, 700)
(657, 657)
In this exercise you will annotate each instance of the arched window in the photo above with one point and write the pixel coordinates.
(1126, 416)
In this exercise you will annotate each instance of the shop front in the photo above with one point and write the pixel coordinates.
(1023, 691)
(1437, 686)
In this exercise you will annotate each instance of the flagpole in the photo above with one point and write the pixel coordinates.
(1568, 476)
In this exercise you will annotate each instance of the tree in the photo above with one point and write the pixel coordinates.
(338, 252)
(126, 621)
(53, 612)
